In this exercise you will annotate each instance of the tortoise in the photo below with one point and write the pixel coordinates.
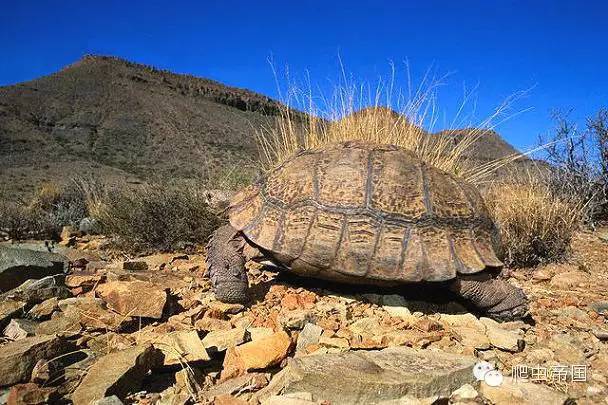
(365, 213)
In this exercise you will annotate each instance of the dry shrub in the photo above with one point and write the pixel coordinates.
(536, 225)
(19, 221)
(384, 114)
(159, 217)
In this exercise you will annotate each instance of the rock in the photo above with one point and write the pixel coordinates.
(113, 400)
(296, 398)
(337, 342)
(17, 359)
(238, 385)
(81, 312)
(109, 342)
(428, 325)
(367, 377)
(210, 324)
(464, 393)
(601, 307)
(567, 349)
(44, 310)
(19, 265)
(89, 226)
(601, 334)
(258, 333)
(260, 354)
(85, 280)
(179, 347)
(569, 279)
(116, 374)
(135, 265)
(31, 394)
(309, 335)
(225, 308)
(365, 326)
(471, 337)
(20, 328)
(294, 319)
(134, 298)
(36, 291)
(501, 338)
(228, 400)
(10, 309)
(520, 392)
(398, 312)
(220, 340)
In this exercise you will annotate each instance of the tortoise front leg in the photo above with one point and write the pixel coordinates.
(226, 265)
(499, 299)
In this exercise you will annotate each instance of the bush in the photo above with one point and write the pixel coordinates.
(18, 221)
(155, 217)
(536, 225)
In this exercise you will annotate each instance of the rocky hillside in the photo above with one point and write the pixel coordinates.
(107, 118)
(114, 118)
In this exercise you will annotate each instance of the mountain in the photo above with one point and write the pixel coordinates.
(108, 118)
(112, 118)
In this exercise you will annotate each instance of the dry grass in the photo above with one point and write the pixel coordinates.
(155, 217)
(536, 225)
(382, 115)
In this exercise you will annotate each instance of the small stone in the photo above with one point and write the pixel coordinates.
(10, 309)
(520, 392)
(294, 319)
(601, 307)
(226, 399)
(340, 343)
(601, 334)
(44, 310)
(258, 333)
(135, 265)
(116, 374)
(220, 340)
(179, 347)
(310, 334)
(260, 354)
(225, 308)
(134, 298)
(31, 394)
(20, 329)
(365, 326)
(464, 393)
(83, 280)
(569, 279)
(502, 339)
(210, 324)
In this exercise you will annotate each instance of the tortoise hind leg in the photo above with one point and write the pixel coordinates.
(226, 265)
(497, 298)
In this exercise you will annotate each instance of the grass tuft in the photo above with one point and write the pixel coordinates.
(536, 225)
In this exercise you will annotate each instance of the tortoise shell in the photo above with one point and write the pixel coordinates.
(363, 212)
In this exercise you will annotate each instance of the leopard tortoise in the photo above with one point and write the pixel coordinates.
(365, 213)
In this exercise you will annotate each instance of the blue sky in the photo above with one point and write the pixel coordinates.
(557, 49)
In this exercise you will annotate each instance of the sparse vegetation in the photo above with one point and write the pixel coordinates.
(383, 115)
(155, 217)
(536, 224)
(580, 161)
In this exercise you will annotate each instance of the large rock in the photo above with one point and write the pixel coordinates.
(19, 265)
(116, 374)
(134, 298)
(368, 377)
(18, 358)
(10, 309)
(35, 291)
(220, 340)
(521, 392)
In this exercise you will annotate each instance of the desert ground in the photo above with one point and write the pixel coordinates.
(147, 330)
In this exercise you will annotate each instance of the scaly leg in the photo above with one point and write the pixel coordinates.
(226, 265)
(499, 299)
